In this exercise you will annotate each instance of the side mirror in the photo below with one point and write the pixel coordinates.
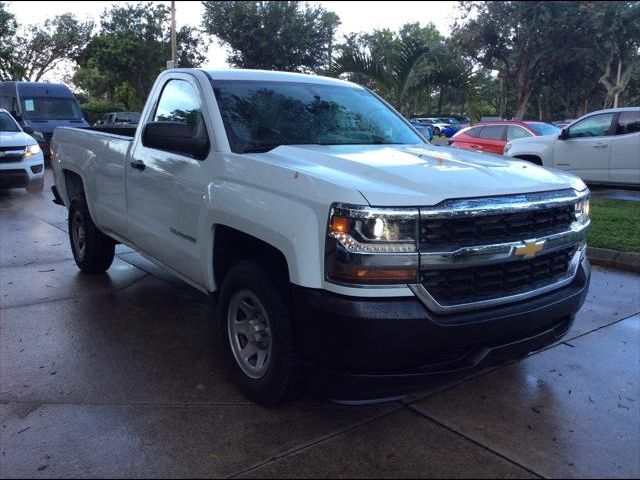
(175, 137)
(564, 134)
(28, 130)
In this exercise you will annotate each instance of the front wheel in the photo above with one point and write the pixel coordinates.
(92, 250)
(436, 131)
(256, 326)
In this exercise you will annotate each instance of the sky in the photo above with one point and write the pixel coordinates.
(355, 17)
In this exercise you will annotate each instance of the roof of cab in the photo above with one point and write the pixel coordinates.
(39, 89)
(271, 76)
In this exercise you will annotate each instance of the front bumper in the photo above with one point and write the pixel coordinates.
(26, 173)
(362, 348)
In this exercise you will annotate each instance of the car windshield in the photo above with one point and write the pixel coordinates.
(259, 116)
(51, 108)
(543, 128)
(7, 124)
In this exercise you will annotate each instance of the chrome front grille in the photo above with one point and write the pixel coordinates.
(482, 252)
(474, 284)
(439, 233)
(11, 154)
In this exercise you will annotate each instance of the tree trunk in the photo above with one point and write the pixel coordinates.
(440, 100)
(523, 100)
(523, 91)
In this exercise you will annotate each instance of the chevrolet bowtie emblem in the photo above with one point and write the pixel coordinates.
(530, 248)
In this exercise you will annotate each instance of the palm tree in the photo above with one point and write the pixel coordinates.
(395, 78)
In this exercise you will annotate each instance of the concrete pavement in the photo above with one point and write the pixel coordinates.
(121, 375)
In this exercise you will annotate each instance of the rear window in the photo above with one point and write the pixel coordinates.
(629, 122)
(492, 132)
(474, 132)
(543, 128)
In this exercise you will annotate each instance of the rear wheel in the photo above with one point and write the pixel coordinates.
(92, 250)
(256, 326)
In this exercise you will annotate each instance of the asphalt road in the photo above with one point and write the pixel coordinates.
(119, 375)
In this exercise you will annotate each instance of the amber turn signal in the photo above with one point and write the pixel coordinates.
(339, 224)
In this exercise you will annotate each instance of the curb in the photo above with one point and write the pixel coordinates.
(612, 258)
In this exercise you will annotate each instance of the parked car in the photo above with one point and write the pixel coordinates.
(424, 128)
(43, 107)
(600, 147)
(345, 249)
(438, 124)
(563, 123)
(21, 159)
(491, 137)
(118, 119)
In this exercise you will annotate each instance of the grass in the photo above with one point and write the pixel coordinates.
(615, 224)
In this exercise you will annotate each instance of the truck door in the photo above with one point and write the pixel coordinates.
(625, 149)
(586, 150)
(167, 182)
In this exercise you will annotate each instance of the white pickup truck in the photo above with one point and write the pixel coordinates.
(345, 249)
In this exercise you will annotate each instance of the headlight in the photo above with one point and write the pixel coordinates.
(371, 245)
(507, 147)
(582, 210)
(32, 150)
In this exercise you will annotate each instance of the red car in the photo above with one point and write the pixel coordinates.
(492, 136)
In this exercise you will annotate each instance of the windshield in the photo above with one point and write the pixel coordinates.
(543, 128)
(262, 115)
(7, 124)
(51, 108)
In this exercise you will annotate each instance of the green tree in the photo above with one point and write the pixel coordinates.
(616, 30)
(8, 27)
(38, 49)
(278, 35)
(514, 38)
(122, 61)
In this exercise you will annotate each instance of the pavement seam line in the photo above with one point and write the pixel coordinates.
(472, 440)
(319, 441)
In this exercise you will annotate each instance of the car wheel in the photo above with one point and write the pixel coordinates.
(92, 250)
(256, 328)
(436, 131)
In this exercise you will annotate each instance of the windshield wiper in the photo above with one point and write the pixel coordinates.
(259, 148)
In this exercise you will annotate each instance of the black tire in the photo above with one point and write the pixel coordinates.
(94, 251)
(436, 131)
(282, 376)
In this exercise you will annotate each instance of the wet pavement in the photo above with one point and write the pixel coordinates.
(615, 193)
(121, 375)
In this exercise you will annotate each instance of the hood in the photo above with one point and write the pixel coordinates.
(413, 175)
(48, 126)
(16, 139)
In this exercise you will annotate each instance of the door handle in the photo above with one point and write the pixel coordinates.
(138, 164)
(600, 145)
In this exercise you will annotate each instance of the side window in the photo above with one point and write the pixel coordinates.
(514, 132)
(178, 124)
(492, 132)
(474, 132)
(628, 122)
(179, 103)
(594, 126)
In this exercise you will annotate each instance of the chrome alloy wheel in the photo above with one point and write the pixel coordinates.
(249, 333)
(79, 234)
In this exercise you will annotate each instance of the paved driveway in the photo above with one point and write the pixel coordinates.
(119, 375)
